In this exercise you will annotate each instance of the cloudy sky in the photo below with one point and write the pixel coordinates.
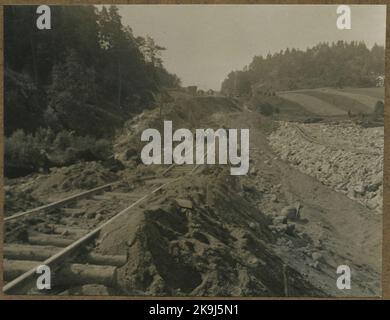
(205, 42)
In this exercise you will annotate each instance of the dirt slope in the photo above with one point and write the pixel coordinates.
(212, 234)
(235, 240)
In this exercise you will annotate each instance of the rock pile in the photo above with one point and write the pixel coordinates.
(346, 157)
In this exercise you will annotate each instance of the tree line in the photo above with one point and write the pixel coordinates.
(337, 64)
(86, 74)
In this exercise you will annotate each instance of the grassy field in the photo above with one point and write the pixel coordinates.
(284, 109)
(313, 104)
(341, 102)
(376, 92)
(332, 102)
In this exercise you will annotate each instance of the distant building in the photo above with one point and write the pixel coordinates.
(192, 90)
(210, 92)
(380, 81)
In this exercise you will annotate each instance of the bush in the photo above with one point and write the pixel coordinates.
(63, 140)
(379, 108)
(27, 153)
(89, 149)
(22, 154)
(266, 109)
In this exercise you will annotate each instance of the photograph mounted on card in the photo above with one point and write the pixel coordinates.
(193, 151)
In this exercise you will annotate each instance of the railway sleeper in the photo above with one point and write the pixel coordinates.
(124, 195)
(49, 240)
(159, 181)
(41, 253)
(69, 274)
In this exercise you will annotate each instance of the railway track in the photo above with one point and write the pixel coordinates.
(61, 236)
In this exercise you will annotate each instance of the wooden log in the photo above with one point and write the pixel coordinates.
(79, 274)
(70, 231)
(159, 181)
(123, 195)
(68, 274)
(28, 252)
(102, 197)
(41, 253)
(49, 240)
(74, 212)
(108, 260)
(14, 268)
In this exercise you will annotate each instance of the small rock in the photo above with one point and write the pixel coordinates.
(184, 203)
(318, 244)
(372, 204)
(359, 189)
(376, 183)
(274, 198)
(279, 220)
(316, 256)
(281, 228)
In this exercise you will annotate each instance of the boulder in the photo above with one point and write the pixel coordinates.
(316, 256)
(359, 189)
(183, 203)
(279, 220)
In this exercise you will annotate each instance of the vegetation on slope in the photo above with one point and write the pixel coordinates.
(324, 65)
(83, 78)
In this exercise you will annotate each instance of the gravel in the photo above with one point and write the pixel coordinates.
(345, 157)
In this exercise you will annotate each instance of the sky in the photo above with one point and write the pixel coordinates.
(205, 42)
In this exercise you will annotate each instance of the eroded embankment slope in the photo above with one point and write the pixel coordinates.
(222, 246)
(236, 240)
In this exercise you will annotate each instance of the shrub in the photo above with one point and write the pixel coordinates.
(22, 154)
(266, 109)
(27, 153)
(379, 108)
(63, 140)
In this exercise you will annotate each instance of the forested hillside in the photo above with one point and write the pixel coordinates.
(325, 65)
(69, 88)
(85, 74)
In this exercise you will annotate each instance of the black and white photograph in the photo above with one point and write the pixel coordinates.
(194, 150)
